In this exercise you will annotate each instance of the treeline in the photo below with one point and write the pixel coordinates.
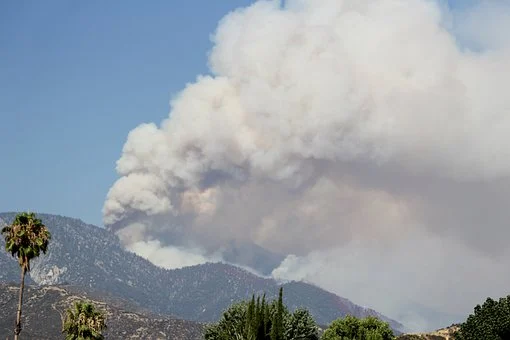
(27, 237)
(258, 319)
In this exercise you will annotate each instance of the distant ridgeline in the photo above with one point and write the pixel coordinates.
(90, 257)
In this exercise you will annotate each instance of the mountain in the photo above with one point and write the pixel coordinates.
(87, 256)
(44, 306)
(252, 256)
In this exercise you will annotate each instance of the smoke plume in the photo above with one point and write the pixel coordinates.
(366, 140)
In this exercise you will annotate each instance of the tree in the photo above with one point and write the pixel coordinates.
(232, 325)
(301, 326)
(257, 319)
(491, 321)
(83, 322)
(352, 328)
(277, 321)
(25, 238)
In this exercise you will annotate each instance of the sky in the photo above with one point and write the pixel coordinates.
(75, 78)
(364, 141)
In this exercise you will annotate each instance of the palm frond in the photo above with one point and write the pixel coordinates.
(25, 238)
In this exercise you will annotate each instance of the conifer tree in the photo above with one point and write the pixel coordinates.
(267, 322)
(277, 323)
(262, 327)
(258, 319)
(250, 318)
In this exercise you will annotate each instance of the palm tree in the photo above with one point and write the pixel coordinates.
(25, 238)
(83, 322)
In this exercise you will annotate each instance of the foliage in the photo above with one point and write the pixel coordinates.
(301, 326)
(232, 325)
(83, 322)
(277, 320)
(491, 321)
(26, 238)
(258, 319)
(352, 328)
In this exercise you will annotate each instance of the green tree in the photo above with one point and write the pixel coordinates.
(25, 238)
(301, 325)
(232, 325)
(251, 317)
(352, 328)
(83, 322)
(277, 321)
(255, 320)
(491, 321)
(267, 320)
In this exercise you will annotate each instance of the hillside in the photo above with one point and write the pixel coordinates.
(87, 256)
(44, 306)
(440, 334)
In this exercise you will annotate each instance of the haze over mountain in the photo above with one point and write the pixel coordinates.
(359, 145)
(92, 258)
(366, 141)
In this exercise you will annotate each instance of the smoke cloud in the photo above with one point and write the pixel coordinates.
(365, 140)
(171, 257)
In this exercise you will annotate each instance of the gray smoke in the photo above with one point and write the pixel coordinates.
(366, 139)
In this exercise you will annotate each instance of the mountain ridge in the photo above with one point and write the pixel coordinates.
(44, 307)
(88, 256)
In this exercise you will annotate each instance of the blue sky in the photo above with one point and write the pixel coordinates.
(75, 78)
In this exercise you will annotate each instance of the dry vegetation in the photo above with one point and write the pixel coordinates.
(441, 334)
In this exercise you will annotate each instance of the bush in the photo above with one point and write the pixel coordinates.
(352, 328)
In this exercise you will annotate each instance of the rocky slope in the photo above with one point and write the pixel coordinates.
(87, 256)
(44, 306)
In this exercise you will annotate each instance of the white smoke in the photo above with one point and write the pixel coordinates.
(436, 272)
(363, 136)
(171, 257)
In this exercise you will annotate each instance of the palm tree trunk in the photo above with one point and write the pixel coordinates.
(17, 329)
